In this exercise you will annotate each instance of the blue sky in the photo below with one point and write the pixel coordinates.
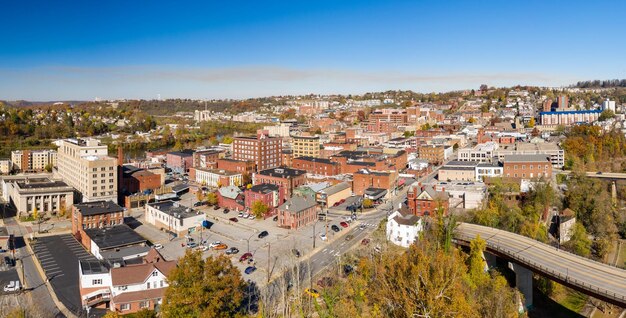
(60, 50)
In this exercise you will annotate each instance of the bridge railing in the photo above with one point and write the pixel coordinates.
(540, 268)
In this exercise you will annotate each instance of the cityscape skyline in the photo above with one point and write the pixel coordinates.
(219, 50)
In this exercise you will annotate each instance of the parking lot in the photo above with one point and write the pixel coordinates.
(7, 275)
(59, 256)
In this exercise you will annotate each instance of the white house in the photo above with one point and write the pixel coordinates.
(173, 217)
(403, 227)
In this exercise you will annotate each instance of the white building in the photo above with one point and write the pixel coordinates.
(26, 193)
(608, 105)
(488, 170)
(86, 166)
(5, 166)
(33, 160)
(482, 152)
(171, 216)
(465, 195)
(281, 130)
(215, 178)
(403, 227)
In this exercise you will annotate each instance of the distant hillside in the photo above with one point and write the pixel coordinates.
(25, 103)
(601, 84)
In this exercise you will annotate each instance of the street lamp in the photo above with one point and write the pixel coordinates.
(248, 240)
(269, 246)
(87, 308)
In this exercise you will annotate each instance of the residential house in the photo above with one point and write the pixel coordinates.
(297, 212)
(425, 200)
(403, 227)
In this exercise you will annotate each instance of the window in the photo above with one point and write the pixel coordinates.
(148, 285)
(144, 304)
(124, 307)
(96, 282)
(155, 273)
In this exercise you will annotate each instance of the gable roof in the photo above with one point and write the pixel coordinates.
(137, 274)
(297, 204)
(432, 193)
(230, 192)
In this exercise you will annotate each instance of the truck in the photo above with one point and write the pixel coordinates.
(165, 196)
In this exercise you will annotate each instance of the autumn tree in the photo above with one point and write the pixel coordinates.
(210, 287)
(368, 203)
(259, 208)
(211, 198)
(579, 242)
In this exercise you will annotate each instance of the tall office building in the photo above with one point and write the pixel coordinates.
(33, 160)
(563, 102)
(265, 151)
(86, 166)
(305, 146)
(608, 105)
(547, 105)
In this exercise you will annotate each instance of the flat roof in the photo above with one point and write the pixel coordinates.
(91, 267)
(282, 172)
(174, 209)
(458, 163)
(526, 158)
(97, 207)
(116, 236)
(264, 188)
(313, 159)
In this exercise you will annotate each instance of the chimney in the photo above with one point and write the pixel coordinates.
(443, 189)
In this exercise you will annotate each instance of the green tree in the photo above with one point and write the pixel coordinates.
(212, 287)
(228, 140)
(477, 271)
(606, 114)
(579, 243)
(259, 209)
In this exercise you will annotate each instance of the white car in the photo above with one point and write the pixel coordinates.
(322, 236)
(214, 244)
(203, 248)
(240, 214)
(158, 246)
(13, 285)
(251, 217)
(245, 216)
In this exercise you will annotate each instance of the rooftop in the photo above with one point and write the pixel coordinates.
(282, 172)
(526, 158)
(336, 188)
(40, 184)
(174, 209)
(91, 267)
(321, 160)
(297, 204)
(182, 153)
(97, 207)
(264, 188)
(457, 163)
(114, 237)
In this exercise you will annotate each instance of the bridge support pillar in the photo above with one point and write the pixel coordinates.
(490, 259)
(614, 193)
(524, 282)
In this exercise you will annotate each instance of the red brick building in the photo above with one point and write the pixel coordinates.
(240, 166)
(270, 194)
(206, 158)
(231, 197)
(297, 212)
(319, 166)
(136, 180)
(180, 161)
(286, 178)
(364, 179)
(265, 151)
(424, 200)
(98, 214)
(527, 166)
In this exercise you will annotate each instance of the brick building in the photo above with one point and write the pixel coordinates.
(180, 161)
(240, 166)
(136, 180)
(318, 166)
(434, 154)
(206, 158)
(230, 197)
(365, 179)
(527, 166)
(297, 212)
(98, 214)
(270, 194)
(265, 151)
(424, 200)
(287, 178)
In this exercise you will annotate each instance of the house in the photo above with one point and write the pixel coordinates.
(365, 178)
(230, 197)
(179, 161)
(297, 212)
(403, 227)
(286, 178)
(126, 289)
(270, 194)
(173, 217)
(425, 200)
(91, 215)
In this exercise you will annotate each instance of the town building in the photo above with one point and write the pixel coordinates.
(269, 194)
(364, 179)
(264, 150)
(551, 149)
(173, 217)
(286, 178)
(527, 166)
(230, 197)
(317, 166)
(245, 167)
(434, 154)
(25, 193)
(207, 158)
(116, 245)
(85, 165)
(305, 146)
(464, 195)
(456, 170)
(179, 161)
(215, 178)
(333, 194)
(97, 214)
(488, 170)
(6, 166)
(135, 180)
(609, 105)
(297, 212)
(34, 160)
(426, 201)
(281, 130)
(482, 152)
(569, 117)
(403, 228)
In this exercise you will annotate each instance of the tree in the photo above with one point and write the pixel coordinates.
(111, 314)
(144, 313)
(62, 210)
(579, 243)
(259, 209)
(211, 198)
(531, 123)
(199, 195)
(228, 140)
(35, 213)
(48, 168)
(368, 203)
(476, 261)
(606, 114)
(212, 287)
(471, 120)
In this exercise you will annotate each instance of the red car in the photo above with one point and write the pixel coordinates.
(365, 241)
(233, 220)
(245, 256)
(344, 224)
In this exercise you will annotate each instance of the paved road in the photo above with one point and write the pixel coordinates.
(603, 175)
(593, 278)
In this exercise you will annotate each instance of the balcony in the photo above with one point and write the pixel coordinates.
(96, 297)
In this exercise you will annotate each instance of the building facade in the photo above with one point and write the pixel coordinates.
(297, 212)
(527, 166)
(86, 166)
(318, 166)
(215, 178)
(94, 215)
(425, 200)
(265, 151)
(26, 193)
(365, 179)
(403, 228)
(34, 160)
(286, 178)
(173, 217)
(305, 146)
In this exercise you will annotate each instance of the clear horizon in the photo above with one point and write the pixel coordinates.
(116, 50)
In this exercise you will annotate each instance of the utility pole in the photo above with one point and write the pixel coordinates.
(269, 246)
(314, 233)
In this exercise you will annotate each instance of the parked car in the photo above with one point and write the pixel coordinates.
(245, 256)
(263, 234)
(245, 216)
(250, 269)
(323, 237)
(158, 246)
(13, 285)
(220, 247)
(199, 203)
(325, 282)
(344, 224)
(335, 228)
(226, 210)
(232, 250)
(233, 220)
(191, 244)
(275, 218)
(217, 207)
(295, 252)
(240, 215)
(251, 217)
(365, 241)
(362, 227)
(312, 292)
(214, 244)
(203, 248)
(9, 261)
(349, 237)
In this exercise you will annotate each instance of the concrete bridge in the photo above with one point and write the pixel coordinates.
(529, 256)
